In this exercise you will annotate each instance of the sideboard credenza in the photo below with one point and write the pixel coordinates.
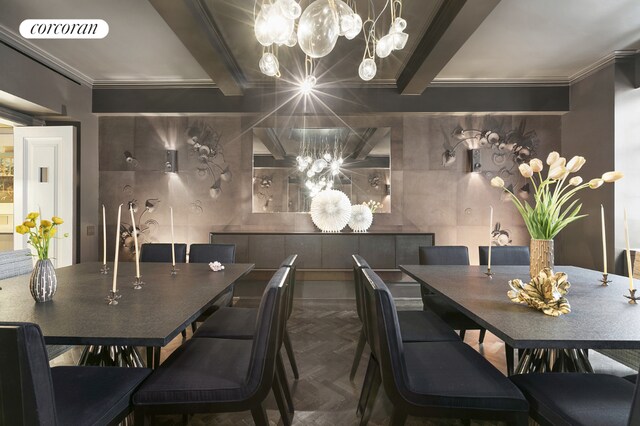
(325, 251)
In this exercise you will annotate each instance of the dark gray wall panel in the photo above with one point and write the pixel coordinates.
(407, 248)
(378, 250)
(266, 250)
(337, 251)
(308, 249)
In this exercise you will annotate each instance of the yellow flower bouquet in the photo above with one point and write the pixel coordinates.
(40, 234)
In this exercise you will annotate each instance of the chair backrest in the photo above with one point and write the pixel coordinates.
(290, 262)
(634, 416)
(161, 252)
(358, 264)
(205, 253)
(267, 337)
(504, 255)
(384, 328)
(444, 255)
(26, 387)
(15, 262)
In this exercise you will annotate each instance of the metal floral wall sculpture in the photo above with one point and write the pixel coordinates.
(205, 145)
(144, 226)
(509, 148)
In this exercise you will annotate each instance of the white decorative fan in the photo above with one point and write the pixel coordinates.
(330, 210)
(361, 218)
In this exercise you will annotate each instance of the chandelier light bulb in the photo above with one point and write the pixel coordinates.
(367, 69)
(269, 64)
(384, 46)
(307, 85)
(327, 156)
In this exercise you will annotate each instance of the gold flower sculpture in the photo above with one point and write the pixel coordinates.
(545, 292)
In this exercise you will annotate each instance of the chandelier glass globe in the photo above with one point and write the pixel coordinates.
(318, 29)
(367, 69)
(269, 64)
(290, 9)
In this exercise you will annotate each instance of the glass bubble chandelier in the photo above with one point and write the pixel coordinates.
(319, 164)
(283, 23)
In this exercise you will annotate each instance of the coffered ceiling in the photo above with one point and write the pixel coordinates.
(194, 42)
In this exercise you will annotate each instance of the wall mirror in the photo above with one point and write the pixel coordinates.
(291, 165)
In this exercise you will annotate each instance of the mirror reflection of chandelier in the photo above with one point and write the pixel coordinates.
(319, 164)
(318, 28)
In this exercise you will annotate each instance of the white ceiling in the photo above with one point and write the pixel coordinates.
(545, 39)
(140, 46)
(521, 40)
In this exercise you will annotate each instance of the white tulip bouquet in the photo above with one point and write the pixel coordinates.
(555, 206)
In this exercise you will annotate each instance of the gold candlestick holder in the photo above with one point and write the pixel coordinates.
(112, 298)
(489, 273)
(138, 283)
(632, 298)
(104, 269)
(174, 271)
(605, 280)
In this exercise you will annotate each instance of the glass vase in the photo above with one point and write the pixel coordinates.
(540, 256)
(43, 282)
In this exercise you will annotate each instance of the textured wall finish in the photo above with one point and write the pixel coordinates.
(425, 195)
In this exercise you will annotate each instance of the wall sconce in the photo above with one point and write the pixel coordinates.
(130, 159)
(171, 163)
(387, 189)
(475, 165)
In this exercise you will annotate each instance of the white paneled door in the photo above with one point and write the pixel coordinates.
(44, 181)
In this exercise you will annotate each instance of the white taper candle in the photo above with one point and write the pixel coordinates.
(604, 242)
(173, 241)
(490, 236)
(626, 238)
(104, 236)
(135, 240)
(115, 259)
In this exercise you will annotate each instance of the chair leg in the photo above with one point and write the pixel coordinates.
(276, 387)
(194, 326)
(509, 352)
(371, 398)
(259, 415)
(184, 333)
(462, 333)
(482, 333)
(398, 417)
(290, 355)
(356, 359)
(366, 385)
(284, 381)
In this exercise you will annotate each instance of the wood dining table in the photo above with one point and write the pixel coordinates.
(151, 316)
(600, 318)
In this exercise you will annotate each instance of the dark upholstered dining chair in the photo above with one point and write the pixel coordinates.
(31, 393)
(504, 255)
(205, 253)
(563, 399)
(433, 379)
(415, 326)
(161, 252)
(447, 255)
(239, 323)
(222, 375)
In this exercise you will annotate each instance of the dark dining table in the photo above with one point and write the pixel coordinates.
(600, 317)
(151, 316)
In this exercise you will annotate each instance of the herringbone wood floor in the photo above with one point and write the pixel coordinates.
(324, 335)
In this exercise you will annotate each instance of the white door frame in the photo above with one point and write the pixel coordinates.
(62, 138)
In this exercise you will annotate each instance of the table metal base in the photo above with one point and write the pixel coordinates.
(553, 360)
(111, 356)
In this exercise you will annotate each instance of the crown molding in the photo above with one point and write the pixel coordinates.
(600, 64)
(34, 52)
(154, 84)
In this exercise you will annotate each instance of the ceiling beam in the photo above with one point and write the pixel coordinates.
(270, 140)
(364, 147)
(193, 24)
(451, 27)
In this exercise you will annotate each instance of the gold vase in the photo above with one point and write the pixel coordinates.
(540, 256)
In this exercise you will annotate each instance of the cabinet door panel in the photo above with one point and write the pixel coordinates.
(266, 251)
(337, 251)
(407, 248)
(307, 247)
(241, 242)
(378, 250)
